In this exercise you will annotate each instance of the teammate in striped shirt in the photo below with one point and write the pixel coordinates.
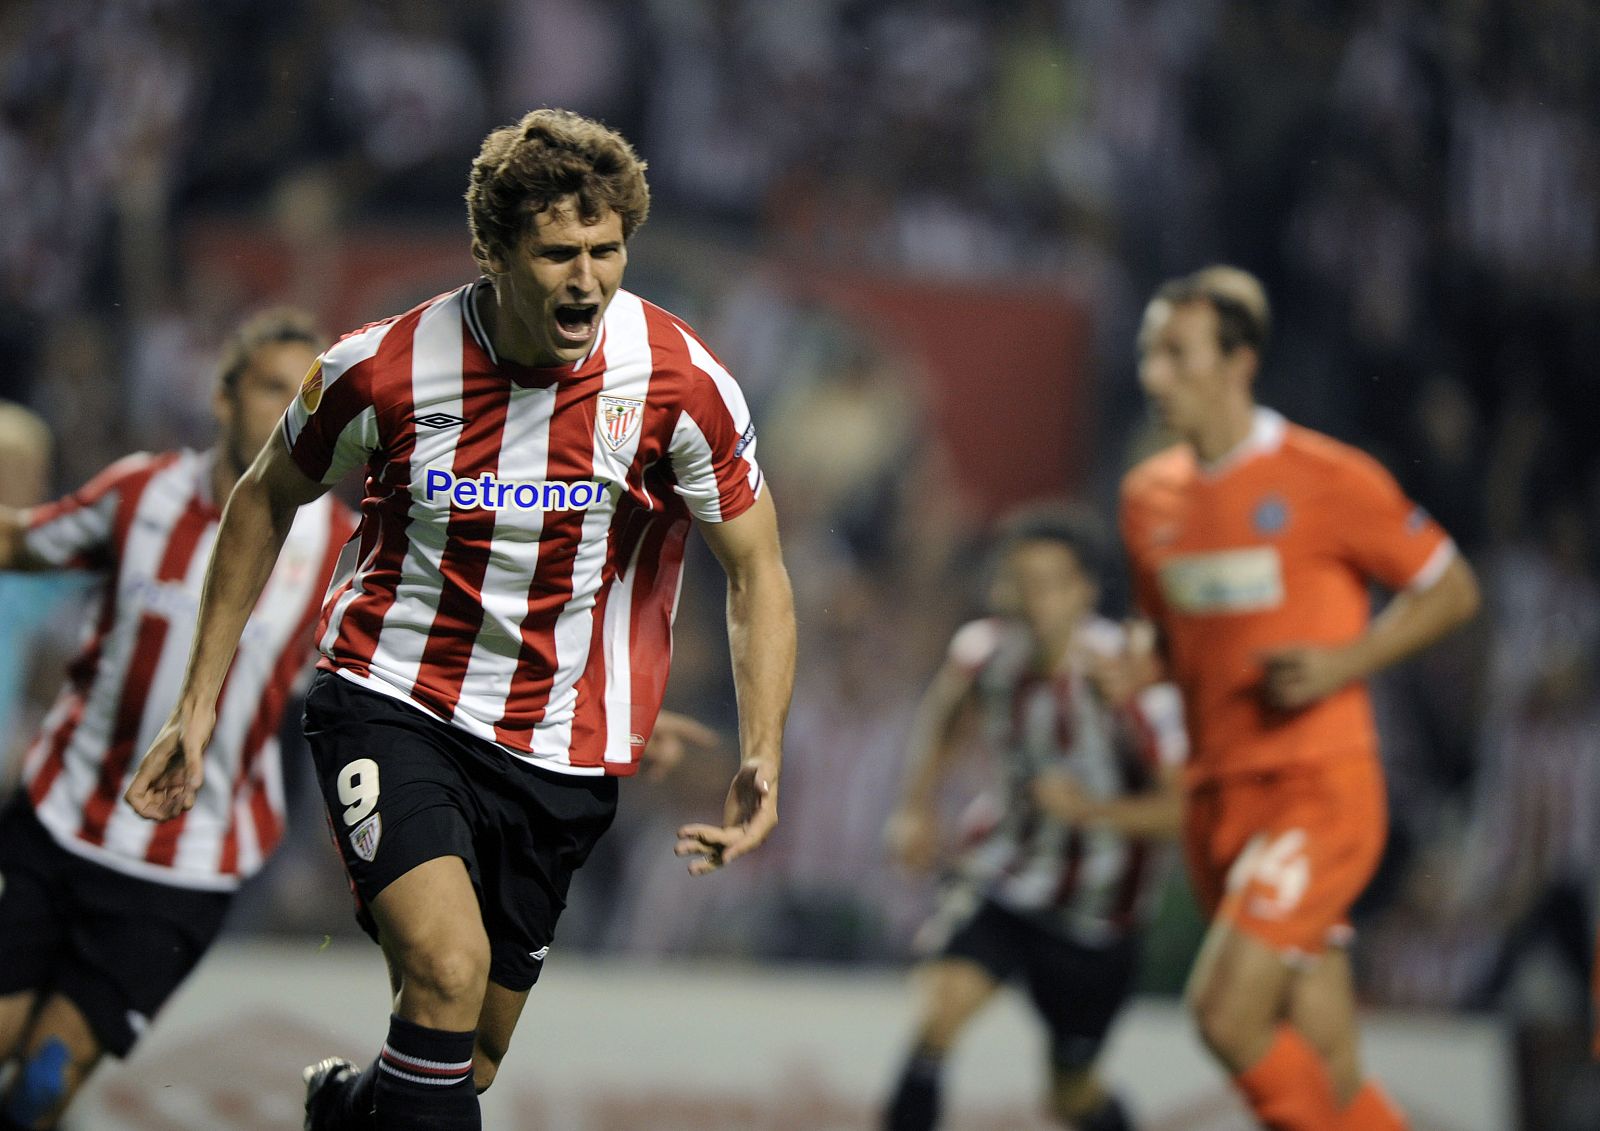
(1253, 545)
(537, 445)
(1060, 871)
(103, 914)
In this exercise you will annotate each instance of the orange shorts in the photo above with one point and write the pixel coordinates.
(1282, 855)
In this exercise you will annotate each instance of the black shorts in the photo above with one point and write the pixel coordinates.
(114, 945)
(1077, 989)
(403, 788)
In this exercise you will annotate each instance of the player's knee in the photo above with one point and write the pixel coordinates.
(43, 1083)
(455, 971)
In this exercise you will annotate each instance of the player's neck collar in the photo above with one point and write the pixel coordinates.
(1266, 435)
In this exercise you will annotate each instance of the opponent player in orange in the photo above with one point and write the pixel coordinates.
(1253, 543)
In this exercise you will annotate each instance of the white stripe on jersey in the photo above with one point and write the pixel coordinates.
(437, 383)
(627, 375)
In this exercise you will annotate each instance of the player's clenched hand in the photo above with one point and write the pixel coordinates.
(912, 837)
(1299, 675)
(172, 771)
(748, 817)
(673, 737)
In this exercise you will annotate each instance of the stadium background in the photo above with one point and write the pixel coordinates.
(920, 234)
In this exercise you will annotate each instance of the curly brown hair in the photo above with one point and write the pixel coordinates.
(524, 169)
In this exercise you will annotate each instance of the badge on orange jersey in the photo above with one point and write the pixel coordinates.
(311, 387)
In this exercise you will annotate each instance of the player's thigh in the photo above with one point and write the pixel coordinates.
(1238, 991)
(497, 1020)
(16, 1010)
(1078, 991)
(540, 828)
(432, 929)
(60, 1051)
(953, 991)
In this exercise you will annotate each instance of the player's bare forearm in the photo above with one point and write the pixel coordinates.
(1153, 814)
(254, 524)
(1298, 675)
(761, 638)
(935, 732)
(1415, 619)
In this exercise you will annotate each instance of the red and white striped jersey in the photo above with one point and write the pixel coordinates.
(1095, 885)
(147, 524)
(522, 530)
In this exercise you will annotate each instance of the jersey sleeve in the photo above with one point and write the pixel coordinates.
(1381, 532)
(332, 426)
(713, 449)
(974, 645)
(83, 530)
(1158, 714)
(1132, 524)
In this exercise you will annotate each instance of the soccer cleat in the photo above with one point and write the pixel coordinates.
(325, 1081)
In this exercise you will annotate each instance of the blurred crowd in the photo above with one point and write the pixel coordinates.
(1417, 181)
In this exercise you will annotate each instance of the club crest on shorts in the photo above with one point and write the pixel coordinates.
(619, 420)
(365, 836)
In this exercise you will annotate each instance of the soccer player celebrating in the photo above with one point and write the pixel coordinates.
(537, 443)
(1253, 543)
(102, 915)
(1062, 872)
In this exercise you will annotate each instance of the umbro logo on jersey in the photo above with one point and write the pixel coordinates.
(439, 420)
(538, 955)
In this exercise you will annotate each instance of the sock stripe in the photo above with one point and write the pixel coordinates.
(433, 1081)
(423, 1071)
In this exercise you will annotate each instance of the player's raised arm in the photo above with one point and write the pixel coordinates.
(254, 525)
(761, 636)
(912, 833)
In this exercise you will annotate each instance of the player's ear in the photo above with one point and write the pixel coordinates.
(491, 262)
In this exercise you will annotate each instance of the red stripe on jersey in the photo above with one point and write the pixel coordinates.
(50, 769)
(131, 703)
(655, 590)
(387, 505)
(1132, 884)
(571, 459)
(1068, 885)
(469, 539)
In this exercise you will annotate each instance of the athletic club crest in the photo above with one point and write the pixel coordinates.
(619, 420)
(364, 838)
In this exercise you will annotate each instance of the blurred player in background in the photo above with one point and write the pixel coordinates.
(1253, 543)
(103, 914)
(26, 603)
(538, 444)
(1060, 872)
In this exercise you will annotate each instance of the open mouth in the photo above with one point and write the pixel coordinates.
(576, 321)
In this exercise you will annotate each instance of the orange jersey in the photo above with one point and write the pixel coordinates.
(1274, 545)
